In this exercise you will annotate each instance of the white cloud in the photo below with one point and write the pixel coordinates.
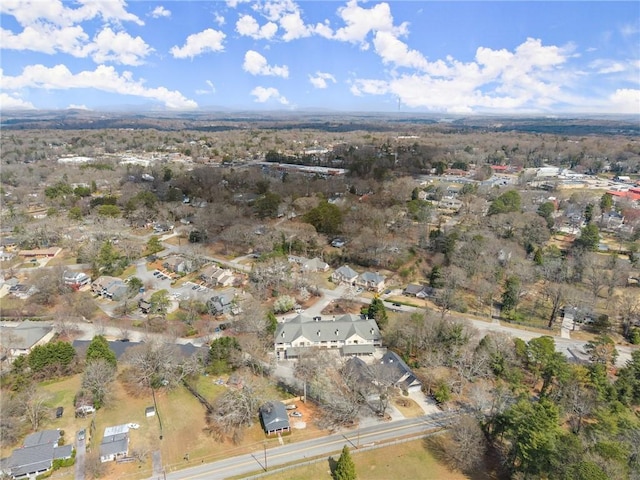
(209, 91)
(249, 27)
(77, 107)
(360, 21)
(605, 66)
(263, 95)
(626, 100)
(320, 79)
(256, 64)
(47, 38)
(160, 11)
(103, 78)
(392, 50)
(208, 40)
(119, 47)
(29, 12)
(235, 3)
(219, 19)
(12, 102)
(529, 78)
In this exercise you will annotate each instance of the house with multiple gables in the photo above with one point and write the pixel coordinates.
(21, 339)
(419, 291)
(310, 265)
(112, 288)
(37, 454)
(403, 377)
(344, 274)
(372, 281)
(75, 279)
(177, 264)
(216, 276)
(349, 334)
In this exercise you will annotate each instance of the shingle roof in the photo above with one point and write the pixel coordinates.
(41, 438)
(26, 334)
(114, 444)
(342, 328)
(346, 271)
(31, 459)
(274, 416)
(372, 277)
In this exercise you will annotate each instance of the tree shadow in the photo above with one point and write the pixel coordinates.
(333, 463)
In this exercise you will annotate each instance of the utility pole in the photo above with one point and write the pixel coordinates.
(264, 444)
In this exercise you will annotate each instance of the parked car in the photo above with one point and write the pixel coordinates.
(135, 426)
(59, 412)
(291, 406)
(295, 414)
(81, 435)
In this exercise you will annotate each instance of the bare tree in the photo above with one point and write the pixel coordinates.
(465, 445)
(35, 408)
(97, 379)
(233, 411)
(155, 365)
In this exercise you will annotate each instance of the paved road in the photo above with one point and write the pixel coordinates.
(81, 448)
(301, 451)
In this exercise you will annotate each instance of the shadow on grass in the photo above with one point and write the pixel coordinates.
(333, 463)
(438, 445)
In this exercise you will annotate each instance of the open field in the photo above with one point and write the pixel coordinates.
(410, 460)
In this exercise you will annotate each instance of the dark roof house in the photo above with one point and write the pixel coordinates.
(274, 418)
(404, 377)
(37, 455)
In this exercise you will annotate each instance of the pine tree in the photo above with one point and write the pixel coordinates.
(345, 469)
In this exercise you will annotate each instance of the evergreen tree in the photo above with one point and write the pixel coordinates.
(378, 311)
(511, 295)
(345, 469)
(99, 349)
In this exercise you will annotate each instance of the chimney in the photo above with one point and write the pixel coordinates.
(318, 332)
(337, 332)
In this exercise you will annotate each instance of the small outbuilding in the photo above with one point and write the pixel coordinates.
(274, 418)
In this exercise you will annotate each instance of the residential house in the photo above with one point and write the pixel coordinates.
(371, 281)
(350, 334)
(37, 454)
(21, 339)
(144, 303)
(274, 418)
(222, 303)
(217, 276)
(344, 274)
(76, 279)
(403, 376)
(22, 291)
(40, 252)
(112, 288)
(315, 265)
(5, 256)
(419, 291)
(115, 443)
(177, 264)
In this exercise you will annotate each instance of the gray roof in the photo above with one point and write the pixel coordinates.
(413, 289)
(25, 335)
(41, 438)
(33, 459)
(315, 264)
(119, 348)
(357, 349)
(340, 328)
(372, 277)
(114, 445)
(404, 374)
(346, 271)
(274, 416)
(63, 451)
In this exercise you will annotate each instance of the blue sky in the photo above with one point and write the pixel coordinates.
(442, 57)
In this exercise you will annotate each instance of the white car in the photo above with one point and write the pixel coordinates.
(134, 426)
(295, 414)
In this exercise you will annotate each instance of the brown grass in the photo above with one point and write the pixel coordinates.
(408, 460)
(408, 407)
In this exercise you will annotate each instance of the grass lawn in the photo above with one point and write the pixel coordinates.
(408, 407)
(404, 461)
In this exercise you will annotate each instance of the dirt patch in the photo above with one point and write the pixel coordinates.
(407, 407)
(341, 307)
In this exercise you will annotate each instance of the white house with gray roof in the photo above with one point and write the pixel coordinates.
(349, 334)
(37, 454)
(115, 443)
(20, 339)
(344, 274)
(371, 281)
